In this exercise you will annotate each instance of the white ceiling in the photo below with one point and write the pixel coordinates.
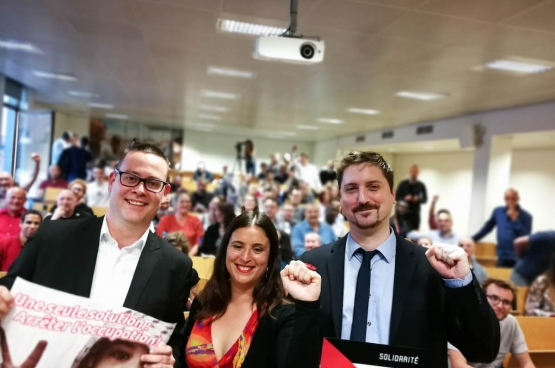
(149, 58)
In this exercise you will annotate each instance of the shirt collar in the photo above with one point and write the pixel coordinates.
(106, 236)
(387, 248)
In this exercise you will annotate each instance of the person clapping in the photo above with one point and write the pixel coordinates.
(243, 318)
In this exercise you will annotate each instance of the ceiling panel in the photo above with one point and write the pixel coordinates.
(177, 17)
(267, 9)
(105, 28)
(113, 10)
(538, 18)
(199, 4)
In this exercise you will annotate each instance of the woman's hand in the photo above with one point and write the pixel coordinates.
(30, 362)
(300, 282)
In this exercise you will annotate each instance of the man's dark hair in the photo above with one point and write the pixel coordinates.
(66, 135)
(228, 212)
(273, 200)
(503, 284)
(370, 158)
(443, 210)
(137, 146)
(268, 292)
(84, 142)
(30, 212)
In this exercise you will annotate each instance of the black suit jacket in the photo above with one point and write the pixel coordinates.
(62, 256)
(289, 338)
(425, 313)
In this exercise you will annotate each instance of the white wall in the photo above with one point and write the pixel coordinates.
(217, 150)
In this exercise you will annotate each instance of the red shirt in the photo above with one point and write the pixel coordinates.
(9, 250)
(192, 228)
(9, 225)
(60, 183)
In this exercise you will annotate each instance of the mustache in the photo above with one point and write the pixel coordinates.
(365, 207)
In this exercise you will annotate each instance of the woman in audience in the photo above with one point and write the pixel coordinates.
(79, 187)
(182, 221)
(242, 317)
(541, 297)
(223, 214)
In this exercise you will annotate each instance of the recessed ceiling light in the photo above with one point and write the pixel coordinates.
(307, 127)
(222, 95)
(209, 117)
(356, 110)
(330, 121)
(214, 108)
(59, 76)
(100, 105)
(83, 94)
(233, 26)
(423, 96)
(229, 72)
(519, 67)
(117, 116)
(20, 46)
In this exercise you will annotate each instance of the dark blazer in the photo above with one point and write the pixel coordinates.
(62, 256)
(289, 338)
(425, 313)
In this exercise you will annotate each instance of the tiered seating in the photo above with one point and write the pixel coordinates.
(204, 266)
(540, 338)
(486, 254)
(499, 273)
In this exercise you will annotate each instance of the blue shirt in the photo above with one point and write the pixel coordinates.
(436, 237)
(382, 275)
(536, 258)
(326, 233)
(507, 230)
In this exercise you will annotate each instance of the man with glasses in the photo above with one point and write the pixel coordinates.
(116, 259)
(500, 295)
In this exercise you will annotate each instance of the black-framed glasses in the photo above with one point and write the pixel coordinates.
(128, 179)
(494, 299)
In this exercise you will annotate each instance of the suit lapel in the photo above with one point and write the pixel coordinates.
(405, 264)
(87, 252)
(336, 270)
(147, 263)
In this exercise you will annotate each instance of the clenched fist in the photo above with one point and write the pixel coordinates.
(450, 261)
(300, 282)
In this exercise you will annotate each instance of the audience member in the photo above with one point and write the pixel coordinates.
(248, 154)
(432, 213)
(413, 191)
(512, 222)
(247, 293)
(176, 185)
(541, 297)
(54, 180)
(209, 217)
(274, 165)
(116, 259)
(323, 203)
(179, 241)
(308, 225)
(66, 208)
(285, 249)
(271, 209)
(163, 210)
(7, 182)
(308, 173)
(262, 171)
(312, 241)
(10, 215)
(295, 199)
(413, 291)
(288, 217)
(74, 161)
(443, 234)
(425, 241)
(201, 198)
(283, 175)
(249, 202)
(184, 222)
(79, 188)
(468, 245)
(10, 247)
(335, 219)
(401, 222)
(224, 214)
(501, 295)
(328, 174)
(97, 194)
(534, 252)
(202, 174)
(60, 145)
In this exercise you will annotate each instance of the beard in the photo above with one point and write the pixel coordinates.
(370, 225)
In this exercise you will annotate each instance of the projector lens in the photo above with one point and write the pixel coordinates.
(307, 51)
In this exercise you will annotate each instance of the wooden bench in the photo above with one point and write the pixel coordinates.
(204, 266)
(540, 339)
(2, 274)
(486, 250)
(499, 273)
(487, 261)
(99, 211)
(51, 195)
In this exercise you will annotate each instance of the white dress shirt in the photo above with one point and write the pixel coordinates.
(114, 268)
(97, 194)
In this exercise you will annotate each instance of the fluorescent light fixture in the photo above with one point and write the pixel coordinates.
(222, 95)
(330, 121)
(214, 108)
(287, 134)
(423, 96)
(307, 127)
(83, 94)
(209, 117)
(275, 136)
(233, 26)
(100, 105)
(215, 70)
(356, 110)
(117, 116)
(429, 148)
(59, 76)
(20, 46)
(520, 67)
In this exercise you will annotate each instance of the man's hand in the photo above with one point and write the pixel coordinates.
(450, 261)
(31, 361)
(159, 357)
(300, 282)
(435, 198)
(408, 198)
(59, 213)
(512, 213)
(6, 302)
(35, 157)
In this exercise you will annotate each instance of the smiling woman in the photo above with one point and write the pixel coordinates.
(242, 317)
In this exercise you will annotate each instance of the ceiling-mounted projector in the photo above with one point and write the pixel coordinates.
(289, 49)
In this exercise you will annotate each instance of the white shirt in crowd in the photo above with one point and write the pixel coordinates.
(114, 268)
(309, 174)
(97, 194)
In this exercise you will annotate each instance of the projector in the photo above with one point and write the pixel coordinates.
(289, 49)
